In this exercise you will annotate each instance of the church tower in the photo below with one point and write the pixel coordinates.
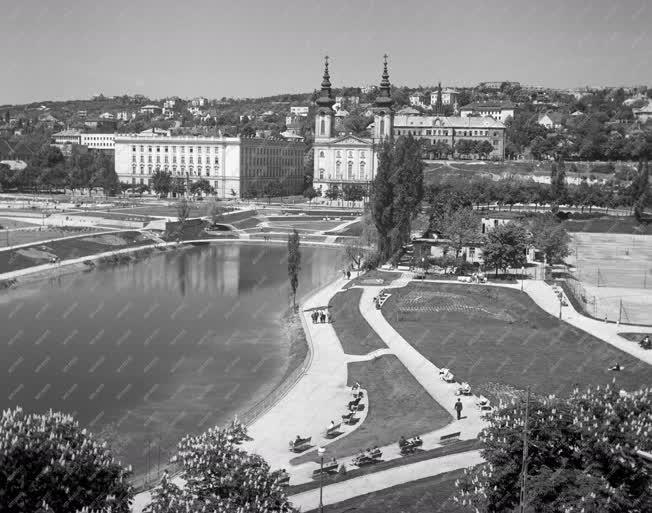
(325, 116)
(439, 104)
(383, 113)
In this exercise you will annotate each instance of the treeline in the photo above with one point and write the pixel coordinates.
(459, 192)
(48, 170)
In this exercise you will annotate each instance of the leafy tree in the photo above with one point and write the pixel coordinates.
(333, 193)
(48, 463)
(460, 227)
(215, 212)
(550, 237)
(311, 193)
(558, 182)
(294, 263)
(183, 212)
(357, 124)
(353, 192)
(506, 247)
(272, 190)
(484, 148)
(382, 201)
(356, 251)
(162, 182)
(221, 477)
(582, 455)
(199, 186)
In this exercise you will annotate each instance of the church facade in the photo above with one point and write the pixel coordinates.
(345, 160)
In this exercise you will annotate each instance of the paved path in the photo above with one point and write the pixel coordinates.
(369, 483)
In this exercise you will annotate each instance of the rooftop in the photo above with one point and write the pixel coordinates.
(489, 105)
(406, 121)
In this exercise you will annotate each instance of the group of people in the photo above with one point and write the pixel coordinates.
(320, 316)
(646, 343)
(346, 273)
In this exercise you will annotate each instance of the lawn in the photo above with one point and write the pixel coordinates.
(307, 225)
(12, 223)
(38, 254)
(354, 230)
(352, 329)
(608, 224)
(429, 495)
(375, 277)
(38, 234)
(398, 405)
(492, 337)
(635, 337)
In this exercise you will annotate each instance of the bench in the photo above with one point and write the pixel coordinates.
(329, 468)
(300, 445)
(333, 430)
(452, 437)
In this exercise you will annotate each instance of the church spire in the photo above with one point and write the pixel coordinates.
(384, 98)
(326, 96)
(439, 104)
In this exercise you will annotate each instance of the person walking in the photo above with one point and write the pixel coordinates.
(348, 275)
(458, 409)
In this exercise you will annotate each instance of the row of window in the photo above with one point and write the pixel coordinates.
(175, 172)
(174, 159)
(459, 133)
(338, 154)
(182, 149)
(362, 173)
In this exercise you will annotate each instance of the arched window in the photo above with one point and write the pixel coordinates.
(321, 155)
(321, 173)
(363, 174)
(350, 170)
(338, 169)
(338, 154)
(382, 127)
(350, 154)
(322, 129)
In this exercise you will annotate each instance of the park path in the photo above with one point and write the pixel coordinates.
(369, 483)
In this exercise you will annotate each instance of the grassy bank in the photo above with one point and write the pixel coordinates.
(429, 495)
(354, 332)
(498, 335)
(399, 406)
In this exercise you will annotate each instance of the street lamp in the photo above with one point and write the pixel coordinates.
(522, 277)
(321, 452)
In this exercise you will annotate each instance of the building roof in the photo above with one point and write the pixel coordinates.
(292, 136)
(401, 121)
(555, 117)
(645, 109)
(14, 165)
(489, 105)
(69, 132)
(150, 107)
(408, 111)
(450, 91)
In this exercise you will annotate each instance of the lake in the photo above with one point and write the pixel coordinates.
(151, 350)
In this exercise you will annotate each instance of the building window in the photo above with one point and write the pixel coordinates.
(350, 170)
(382, 127)
(338, 154)
(322, 126)
(321, 155)
(363, 173)
(338, 169)
(133, 148)
(350, 154)
(321, 173)
(149, 149)
(158, 149)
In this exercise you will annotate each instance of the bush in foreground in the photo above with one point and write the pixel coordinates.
(582, 455)
(221, 477)
(47, 463)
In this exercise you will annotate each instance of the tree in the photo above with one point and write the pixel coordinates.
(356, 252)
(183, 212)
(558, 182)
(272, 190)
(353, 192)
(162, 182)
(221, 476)
(484, 148)
(382, 201)
(215, 212)
(333, 193)
(311, 193)
(460, 227)
(582, 455)
(199, 186)
(48, 463)
(294, 263)
(550, 237)
(357, 124)
(506, 247)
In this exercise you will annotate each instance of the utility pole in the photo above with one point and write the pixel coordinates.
(521, 507)
(620, 312)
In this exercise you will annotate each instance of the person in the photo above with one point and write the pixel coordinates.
(313, 316)
(332, 425)
(329, 318)
(616, 367)
(402, 441)
(322, 317)
(458, 409)
(297, 440)
(348, 275)
(645, 343)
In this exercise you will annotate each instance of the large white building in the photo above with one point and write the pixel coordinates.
(66, 138)
(233, 166)
(494, 109)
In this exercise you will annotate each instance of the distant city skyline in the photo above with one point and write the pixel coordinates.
(72, 50)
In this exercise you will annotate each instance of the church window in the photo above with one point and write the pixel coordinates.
(322, 129)
(382, 127)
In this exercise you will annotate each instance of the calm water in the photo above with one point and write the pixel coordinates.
(158, 348)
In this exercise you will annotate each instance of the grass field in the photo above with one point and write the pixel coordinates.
(398, 406)
(608, 225)
(38, 254)
(430, 495)
(375, 278)
(12, 223)
(491, 335)
(45, 233)
(635, 337)
(352, 329)
(307, 225)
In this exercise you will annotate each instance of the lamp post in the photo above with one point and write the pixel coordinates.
(321, 452)
(522, 277)
(561, 299)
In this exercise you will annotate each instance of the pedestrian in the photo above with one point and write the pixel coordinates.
(314, 316)
(323, 317)
(458, 408)
(348, 275)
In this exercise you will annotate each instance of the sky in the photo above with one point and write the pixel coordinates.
(73, 49)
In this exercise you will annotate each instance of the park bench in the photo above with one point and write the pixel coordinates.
(300, 445)
(446, 375)
(284, 479)
(364, 459)
(450, 438)
(465, 389)
(329, 468)
(333, 431)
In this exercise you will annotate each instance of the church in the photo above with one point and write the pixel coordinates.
(341, 160)
(348, 159)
